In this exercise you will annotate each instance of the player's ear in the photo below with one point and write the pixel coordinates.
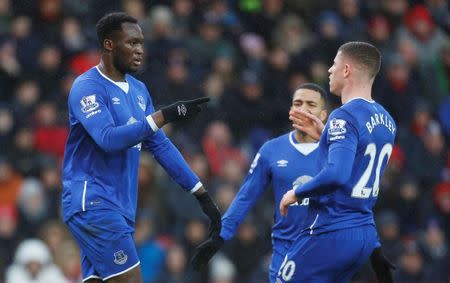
(108, 44)
(347, 70)
(323, 115)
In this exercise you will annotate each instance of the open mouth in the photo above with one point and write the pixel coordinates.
(137, 60)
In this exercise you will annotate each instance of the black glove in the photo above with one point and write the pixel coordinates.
(382, 266)
(183, 110)
(205, 251)
(210, 209)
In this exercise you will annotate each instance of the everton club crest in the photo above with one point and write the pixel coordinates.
(141, 102)
(120, 257)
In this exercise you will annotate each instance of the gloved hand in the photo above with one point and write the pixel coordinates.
(210, 209)
(205, 251)
(382, 266)
(183, 110)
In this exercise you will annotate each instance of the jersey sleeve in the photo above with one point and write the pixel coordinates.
(168, 156)
(341, 130)
(342, 140)
(251, 189)
(88, 105)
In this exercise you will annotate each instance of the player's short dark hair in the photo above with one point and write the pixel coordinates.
(111, 23)
(316, 88)
(365, 54)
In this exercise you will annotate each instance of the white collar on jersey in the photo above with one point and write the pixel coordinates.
(303, 148)
(370, 101)
(123, 85)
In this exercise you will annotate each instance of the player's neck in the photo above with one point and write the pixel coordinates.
(302, 137)
(351, 91)
(111, 72)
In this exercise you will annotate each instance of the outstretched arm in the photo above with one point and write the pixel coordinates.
(252, 188)
(163, 150)
(88, 105)
(173, 162)
(180, 110)
(333, 174)
(341, 140)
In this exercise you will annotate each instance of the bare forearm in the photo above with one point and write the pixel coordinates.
(158, 118)
(200, 191)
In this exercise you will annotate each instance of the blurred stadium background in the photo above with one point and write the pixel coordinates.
(247, 56)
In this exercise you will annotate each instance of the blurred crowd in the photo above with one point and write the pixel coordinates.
(248, 56)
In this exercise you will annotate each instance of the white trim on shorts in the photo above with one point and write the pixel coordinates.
(112, 275)
(91, 277)
(122, 272)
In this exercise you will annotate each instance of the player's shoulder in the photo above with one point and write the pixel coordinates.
(354, 109)
(91, 74)
(135, 82)
(87, 89)
(356, 104)
(361, 109)
(383, 110)
(274, 144)
(342, 113)
(89, 79)
(341, 119)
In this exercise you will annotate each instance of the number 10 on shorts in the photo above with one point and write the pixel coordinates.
(287, 270)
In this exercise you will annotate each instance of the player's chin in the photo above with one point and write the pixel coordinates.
(134, 68)
(332, 88)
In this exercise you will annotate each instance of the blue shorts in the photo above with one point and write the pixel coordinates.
(106, 243)
(279, 250)
(328, 257)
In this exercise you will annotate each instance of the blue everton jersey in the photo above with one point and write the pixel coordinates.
(283, 163)
(365, 132)
(108, 127)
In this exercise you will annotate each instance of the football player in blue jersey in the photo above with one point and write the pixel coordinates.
(354, 148)
(283, 162)
(111, 118)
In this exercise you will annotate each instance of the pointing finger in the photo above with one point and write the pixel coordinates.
(201, 100)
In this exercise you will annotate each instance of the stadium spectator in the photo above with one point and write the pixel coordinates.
(412, 267)
(33, 263)
(67, 258)
(421, 29)
(8, 235)
(49, 135)
(379, 33)
(441, 198)
(398, 92)
(32, 206)
(175, 270)
(218, 147)
(353, 24)
(10, 182)
(151, 253)
(435, 249)
(7, 124)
